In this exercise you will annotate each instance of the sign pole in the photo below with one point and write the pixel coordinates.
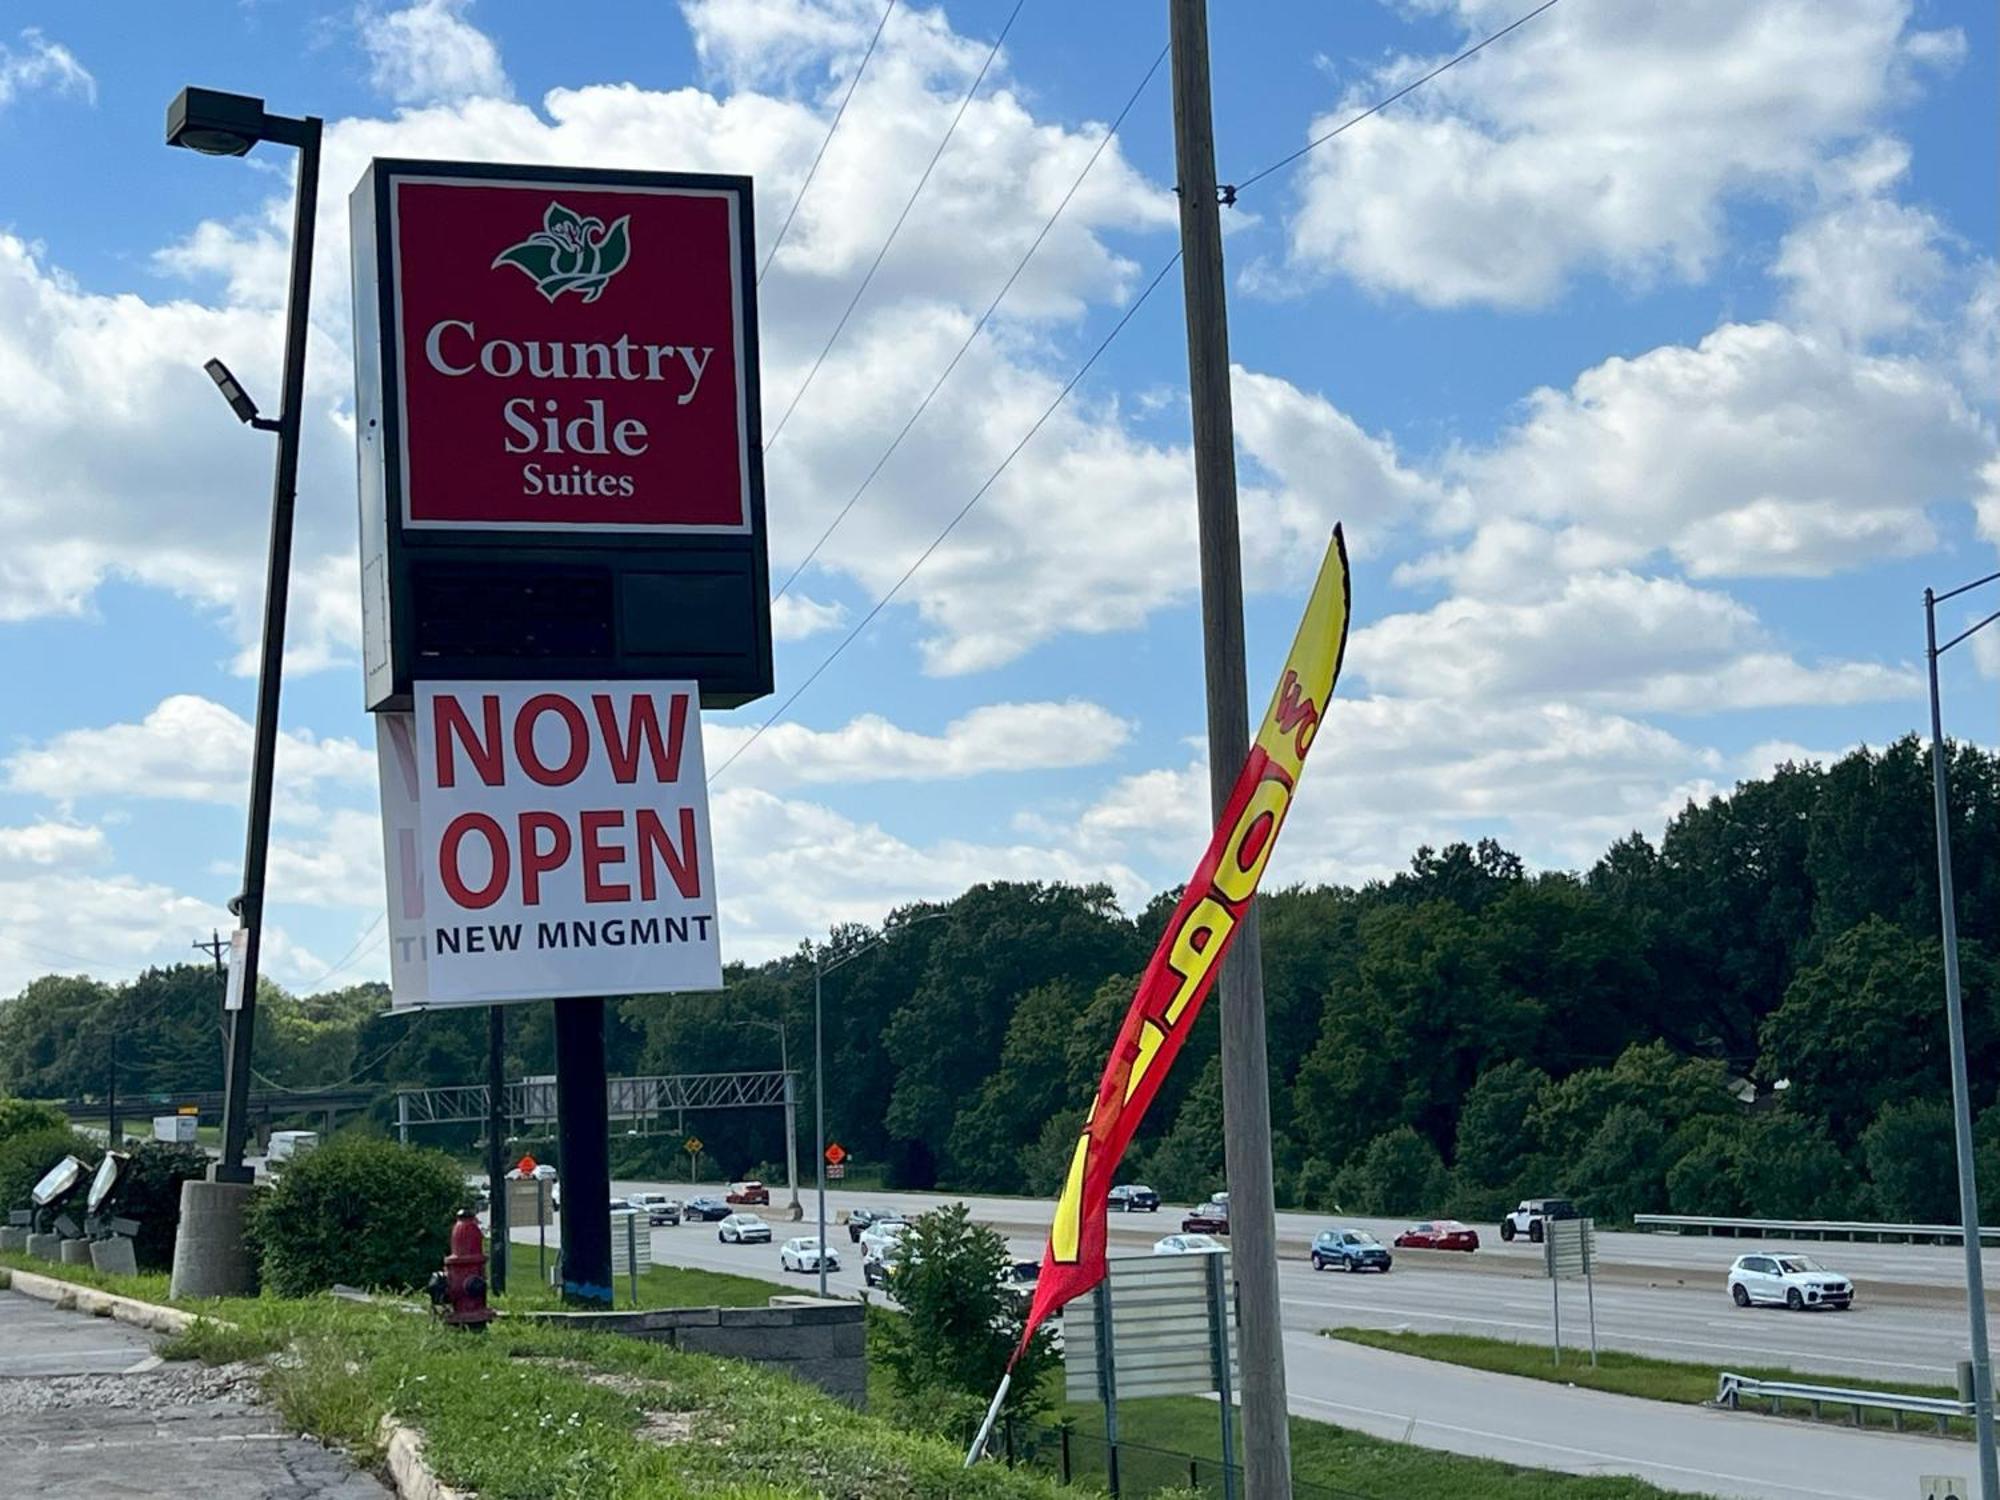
(542, 1230)
(1555, 1288)
(1107, 1383)
(583, 1148)
(632, 1254)
(496, 1146)
(1590, 1282)
(1246, 1099)
(1218, 1315)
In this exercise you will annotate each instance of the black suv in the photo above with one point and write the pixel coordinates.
(1134, 1198)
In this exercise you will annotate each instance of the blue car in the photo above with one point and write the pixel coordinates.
(708, 1210)
(1349, 1250)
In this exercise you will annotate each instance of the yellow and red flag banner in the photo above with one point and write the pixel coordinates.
(1185, 965)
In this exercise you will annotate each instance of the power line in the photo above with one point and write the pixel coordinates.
(1402, 93)
(854, 301)
(785, 228)
(380, 1057)
(952, 525)
(977, 329)
(1118, 328)
(349, 956)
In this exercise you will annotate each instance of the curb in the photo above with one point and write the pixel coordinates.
(403, 1451)
(70, 1296)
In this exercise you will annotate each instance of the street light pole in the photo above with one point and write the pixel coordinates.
(821, 968)
(819, 1111)
(1961, 1106)
(219, 124)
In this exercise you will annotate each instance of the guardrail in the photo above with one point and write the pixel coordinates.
(1825, 1229)
(1731, 1390)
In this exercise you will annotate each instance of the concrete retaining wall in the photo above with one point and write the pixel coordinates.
(824, 1342)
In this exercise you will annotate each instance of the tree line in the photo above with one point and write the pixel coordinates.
(1745, 1017)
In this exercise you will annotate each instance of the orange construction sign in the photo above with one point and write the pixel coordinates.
(835, 1154)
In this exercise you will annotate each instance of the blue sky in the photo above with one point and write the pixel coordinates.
(1649, 358)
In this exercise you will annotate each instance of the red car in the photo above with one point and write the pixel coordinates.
(1210, 1218)
(1438, 1234)
(748, 1194)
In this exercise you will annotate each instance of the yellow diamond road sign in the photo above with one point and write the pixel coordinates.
(692, 1146)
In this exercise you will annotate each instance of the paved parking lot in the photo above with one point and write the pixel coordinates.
(89, 1412)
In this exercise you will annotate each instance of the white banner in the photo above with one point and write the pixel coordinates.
(561, 843)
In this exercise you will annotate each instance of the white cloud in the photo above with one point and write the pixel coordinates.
(1863, 267)
(50, 846)
(187, 749)
(106, 926)
(1553, 781)
(788, 869)
(335, 862)
(1597, 138)
(123, 462)
(428, 53)
(42, 64)
(1613, 639)
(997, 737)
(1761, 450)
(794, 617)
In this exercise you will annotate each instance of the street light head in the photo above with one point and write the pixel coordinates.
(215, 123)
(232, 392)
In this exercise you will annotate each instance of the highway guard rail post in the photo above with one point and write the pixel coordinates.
(1732, 1389)
(1852, 1229)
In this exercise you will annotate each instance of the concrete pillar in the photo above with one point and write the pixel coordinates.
(210, 1256)
(75, 1252)
(115, 1256)
(45, 1246)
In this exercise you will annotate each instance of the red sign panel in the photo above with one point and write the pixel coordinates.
(836, 1154)
(570, 355)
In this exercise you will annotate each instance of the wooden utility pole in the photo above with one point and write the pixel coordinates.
(1246, 1101)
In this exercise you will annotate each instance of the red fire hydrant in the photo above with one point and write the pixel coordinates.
(459, 1290)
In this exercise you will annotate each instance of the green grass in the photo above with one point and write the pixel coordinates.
(1624, 1374)
(147, 1286)
(662, 1286)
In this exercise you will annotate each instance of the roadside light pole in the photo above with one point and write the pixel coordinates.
(219, 124)
(821, 968)
(1954, 1010)
(1246, 1098)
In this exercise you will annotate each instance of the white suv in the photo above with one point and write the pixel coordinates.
(1787, 1278)
(1532, 1214)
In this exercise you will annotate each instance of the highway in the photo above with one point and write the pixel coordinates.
(1658, 1295)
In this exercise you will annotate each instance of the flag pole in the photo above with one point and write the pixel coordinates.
(986, 1427)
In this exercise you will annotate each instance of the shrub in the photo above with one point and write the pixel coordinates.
(19, 1116)
(359, 1212)
(150, 1192)
(27, 1156)
(946, 1355)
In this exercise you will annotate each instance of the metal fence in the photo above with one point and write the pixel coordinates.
(1133, 1471)
(1732, 1390)
(1823, 1229)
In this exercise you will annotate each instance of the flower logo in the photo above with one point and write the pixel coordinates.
(571, 253)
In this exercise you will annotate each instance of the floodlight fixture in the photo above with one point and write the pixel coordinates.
(58, 1182)
(238, 398)
(105, 1182)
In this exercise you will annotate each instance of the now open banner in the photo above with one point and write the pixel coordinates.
(561, 843)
